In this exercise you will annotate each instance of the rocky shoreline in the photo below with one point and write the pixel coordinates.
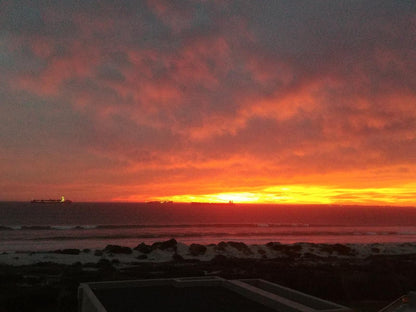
(171, 250)
(365, 277)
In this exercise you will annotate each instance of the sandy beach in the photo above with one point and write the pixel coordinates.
(363, 276)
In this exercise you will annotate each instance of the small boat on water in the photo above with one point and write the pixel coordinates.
(52, 201)
(155, 202)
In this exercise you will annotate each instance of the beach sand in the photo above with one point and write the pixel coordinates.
(364, 277)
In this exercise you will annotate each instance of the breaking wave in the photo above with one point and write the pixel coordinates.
(204, 232)
(179, 235)
(142, 226)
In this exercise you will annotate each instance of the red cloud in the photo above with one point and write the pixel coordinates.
(226, 97)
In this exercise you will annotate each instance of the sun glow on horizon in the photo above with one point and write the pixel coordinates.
(404, 195)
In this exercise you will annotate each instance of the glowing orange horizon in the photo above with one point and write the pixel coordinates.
(303, 194)
(239, 113)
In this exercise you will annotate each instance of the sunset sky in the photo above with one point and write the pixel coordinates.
(251, 101)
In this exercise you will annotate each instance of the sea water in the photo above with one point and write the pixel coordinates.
(34, 227)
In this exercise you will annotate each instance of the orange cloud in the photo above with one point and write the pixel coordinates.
(210, 101)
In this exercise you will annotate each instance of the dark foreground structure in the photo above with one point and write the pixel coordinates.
(406, 303)
(201, 294)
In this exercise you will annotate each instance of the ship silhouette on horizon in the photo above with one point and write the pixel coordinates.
(52, 201)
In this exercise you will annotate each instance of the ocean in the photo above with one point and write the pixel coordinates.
(39, 227)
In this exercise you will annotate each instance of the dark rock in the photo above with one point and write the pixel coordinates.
(344, 250)
(337, 248)
(86, 250)
(104, 263)
(289, 250)
(143, 248)
(261, 252)
(77, 265)
(141, 257)
(115, 249)
(308, 255)
(219, 259)
(105, 266)
(197, 249)
(98, 253)
(240, 247)
(375, 250)
(68, 251)
(221, 246)
(169, 244)
(177, 257)
(115, 261)
(192, 260)
(296, 247)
